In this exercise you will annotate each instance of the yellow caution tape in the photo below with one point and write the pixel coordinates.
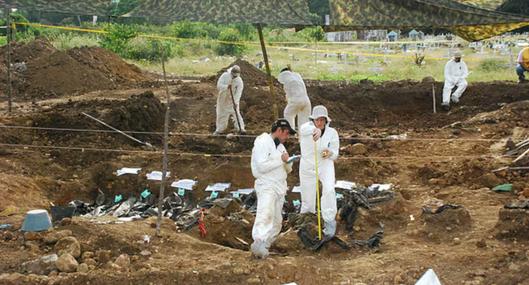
(272, 45)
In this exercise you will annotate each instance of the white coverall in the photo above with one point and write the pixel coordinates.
(225, 109)
(455, 75)
(270, 173)
(307, 174)
(298, 102)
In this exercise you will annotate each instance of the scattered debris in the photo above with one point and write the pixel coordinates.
(503, 188)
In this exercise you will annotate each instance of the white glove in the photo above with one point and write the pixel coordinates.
(316, 134)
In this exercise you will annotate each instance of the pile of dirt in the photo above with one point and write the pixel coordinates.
(445, 225)
(513, 224)
(404, 104)
(393, 214)
(251, 75)
(229, 226)
(41, 71)
(140, 113)
(472, 172)
(143, 112)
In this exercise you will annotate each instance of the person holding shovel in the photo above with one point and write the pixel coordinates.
(320, 145)
(230, 86)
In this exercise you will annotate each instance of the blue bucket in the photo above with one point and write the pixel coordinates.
(36, 221)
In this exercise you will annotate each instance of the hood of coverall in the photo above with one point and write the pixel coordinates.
(318, 112)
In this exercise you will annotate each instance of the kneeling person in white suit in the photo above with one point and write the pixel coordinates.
(456, 72)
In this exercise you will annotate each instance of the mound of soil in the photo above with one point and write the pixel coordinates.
(475, 173)
(446, 224)
(513, 224)
(233, 230)
(143, 112)
(406, 103)
(392, 214)
(251, 75)
(49, 72)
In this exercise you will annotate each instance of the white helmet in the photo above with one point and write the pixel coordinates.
(318, 112)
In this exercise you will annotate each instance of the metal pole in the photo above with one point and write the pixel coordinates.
(8, 58)
(270, 79)
(165, 145)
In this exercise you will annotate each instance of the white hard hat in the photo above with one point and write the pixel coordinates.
(318, 112)
(457, 53)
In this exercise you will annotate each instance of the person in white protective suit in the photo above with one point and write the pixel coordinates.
(270, 169)
(456, 72)
(298, 102)
(318, 132)
(229, 83)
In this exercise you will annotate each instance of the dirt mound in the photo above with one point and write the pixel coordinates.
(227, 227)
(251, 75)
(44, 71)
(475, 173)
(393, 214)
(108, 63)
(403, 104)
(143, 112)
(445, 225)
(513, 224)
(24, 52)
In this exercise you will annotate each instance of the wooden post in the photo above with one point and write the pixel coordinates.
(8, 58)
(165, 145)
(511, 59)
(433, 97)
(270, 78)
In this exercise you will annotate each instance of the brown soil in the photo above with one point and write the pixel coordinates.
(483, 245)
(52, 73)
(513, 224)
(250, 74)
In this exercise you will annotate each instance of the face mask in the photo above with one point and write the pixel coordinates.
(277, 141)
(457, 59)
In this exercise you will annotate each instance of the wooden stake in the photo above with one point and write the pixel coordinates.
(8, 58)
(433, 97)
(165, 145)
(270, 78)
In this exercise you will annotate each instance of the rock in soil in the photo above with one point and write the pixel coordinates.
(68, 245)
(67, 263)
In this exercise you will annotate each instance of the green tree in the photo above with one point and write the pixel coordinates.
(117, 38)
(230, 35)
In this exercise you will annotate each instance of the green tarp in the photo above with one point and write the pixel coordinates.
(86, 7)
(273, 12)
(469, 22)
